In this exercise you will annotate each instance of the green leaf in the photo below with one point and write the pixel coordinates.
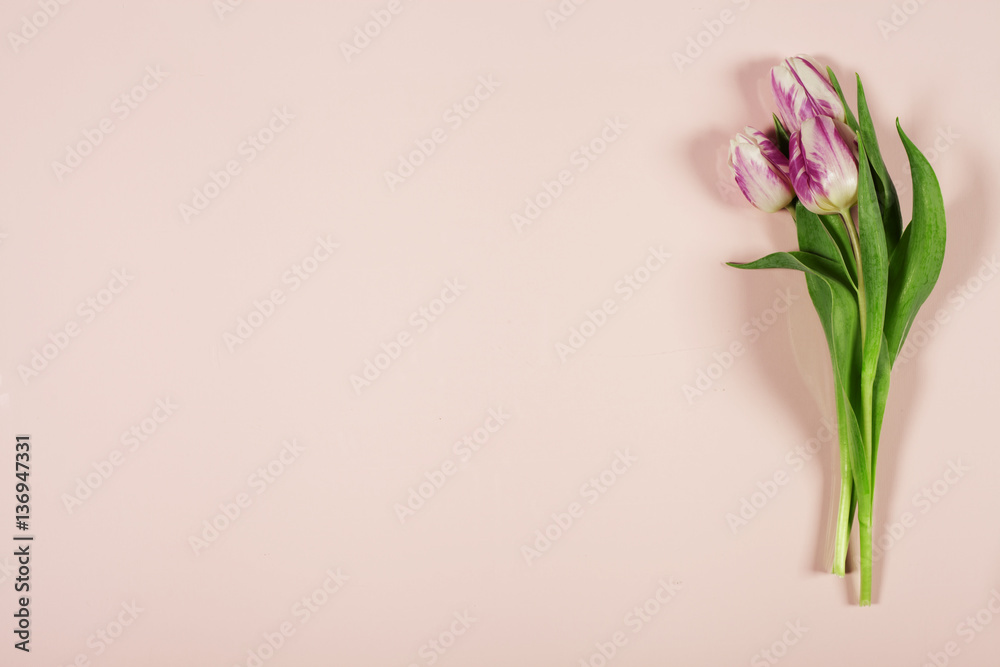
(916, 263)
(799, 261)
(814, 236)
(839, 311)
(838, 232)
(839, 318)
(875, 272)
(851, 120)
(825, 235)
(885, 191)
(879, 398)
(782, 135)
(859, 457)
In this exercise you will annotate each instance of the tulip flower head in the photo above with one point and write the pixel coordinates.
(761, 170)
(823, 165)
(802, 91)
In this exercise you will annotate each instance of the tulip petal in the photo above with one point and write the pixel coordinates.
(823, 96)
(764, 185)
(767, 147)
(823, 169)
(802, 91)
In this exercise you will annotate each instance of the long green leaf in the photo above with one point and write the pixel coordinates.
(875, 270)
(845, 329)
(799, 261)
(885, 191)
(916, 264)
(835, 228)
(858, 455)
(815, 236)
(880, 395)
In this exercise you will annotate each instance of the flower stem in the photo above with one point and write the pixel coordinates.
(852, 232)
(844, 516)
(865, 496)
(865, 530)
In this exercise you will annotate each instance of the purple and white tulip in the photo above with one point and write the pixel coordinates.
(761, 170)
(823, 165)
(802, 90)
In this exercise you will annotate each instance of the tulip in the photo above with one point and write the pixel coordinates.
(823, 165)
(802, 91)
(761, 171)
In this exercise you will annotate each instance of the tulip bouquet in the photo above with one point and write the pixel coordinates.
(866, 274)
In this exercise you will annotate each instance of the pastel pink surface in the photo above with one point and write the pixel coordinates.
(567, 321)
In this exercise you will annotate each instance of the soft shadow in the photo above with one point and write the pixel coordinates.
(708, 152)
(968, 233)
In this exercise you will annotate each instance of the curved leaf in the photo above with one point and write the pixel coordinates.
(844, 329)
(885, 191)
(875, 270)
(916, 263)
(851, 120)
(799, 261)
(879, 398)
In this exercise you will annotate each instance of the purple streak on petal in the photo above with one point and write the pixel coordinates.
(768, 148)
(783, 89)
(824, 172)
(764, 184)
(801, 180)
(823, 98)
(801, 91)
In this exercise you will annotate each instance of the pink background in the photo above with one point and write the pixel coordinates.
(661, 183)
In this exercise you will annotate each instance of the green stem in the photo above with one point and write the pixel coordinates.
(865, 530)
(852, 232)
(867, 383)
(844, 516)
